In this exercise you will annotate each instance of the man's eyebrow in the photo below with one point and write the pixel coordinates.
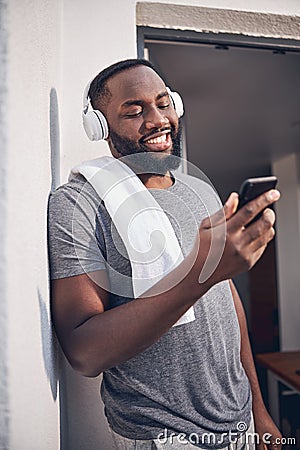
(162, 94)
(140, 102)
(132, 102)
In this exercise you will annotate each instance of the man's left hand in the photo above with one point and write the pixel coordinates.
(270, 437)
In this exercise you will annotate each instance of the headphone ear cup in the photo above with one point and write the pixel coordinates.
(177, 102)
(95, 125)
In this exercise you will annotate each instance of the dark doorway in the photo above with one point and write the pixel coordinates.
(242, 102)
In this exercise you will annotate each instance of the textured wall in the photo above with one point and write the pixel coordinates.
(198, 18)
(288, 7)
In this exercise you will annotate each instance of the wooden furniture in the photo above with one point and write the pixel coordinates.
(281, 367)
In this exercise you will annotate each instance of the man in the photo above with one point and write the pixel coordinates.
(160, 376)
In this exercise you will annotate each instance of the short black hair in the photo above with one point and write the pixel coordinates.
(99, 91)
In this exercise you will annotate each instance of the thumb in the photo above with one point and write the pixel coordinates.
(223, 214)
(231, 205)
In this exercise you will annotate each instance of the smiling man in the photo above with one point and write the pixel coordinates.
(173, 347)
(125, 112)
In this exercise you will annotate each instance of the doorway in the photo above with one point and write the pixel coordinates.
(242, 103)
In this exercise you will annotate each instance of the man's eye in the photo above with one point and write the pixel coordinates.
(134, 113)
(164, 106)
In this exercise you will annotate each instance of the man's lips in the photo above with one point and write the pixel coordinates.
(158, 141)
(154, 134)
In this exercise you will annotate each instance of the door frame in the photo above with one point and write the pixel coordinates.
(149, 34)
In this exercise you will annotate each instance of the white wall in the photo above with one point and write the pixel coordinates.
(33, 68)
(97, 33)
(4, 413)
(53, 49)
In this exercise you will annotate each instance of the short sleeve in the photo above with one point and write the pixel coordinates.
(72, 238)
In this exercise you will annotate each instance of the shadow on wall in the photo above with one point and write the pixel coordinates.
(49, 342)
(50, 346)
(54, 140)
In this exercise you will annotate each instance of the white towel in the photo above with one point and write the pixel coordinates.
(148, 236)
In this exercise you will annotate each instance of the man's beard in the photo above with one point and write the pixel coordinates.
(140, 158)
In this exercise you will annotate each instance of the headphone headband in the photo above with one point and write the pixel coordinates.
(86, 98)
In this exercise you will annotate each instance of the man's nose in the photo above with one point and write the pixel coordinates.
(155, 118)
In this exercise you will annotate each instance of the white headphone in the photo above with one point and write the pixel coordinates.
(95, 123)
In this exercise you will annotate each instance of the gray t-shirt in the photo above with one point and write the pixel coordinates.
(191, 380)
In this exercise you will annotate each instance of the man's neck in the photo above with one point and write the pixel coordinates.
(157, 181)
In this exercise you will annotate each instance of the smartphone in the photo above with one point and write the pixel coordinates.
(254, 187)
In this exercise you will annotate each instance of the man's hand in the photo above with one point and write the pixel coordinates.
(269, 435)
(227, 229)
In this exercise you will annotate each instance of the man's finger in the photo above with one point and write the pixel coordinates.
(248, 212)
(260, 228)
(275, 446)
(261, 446)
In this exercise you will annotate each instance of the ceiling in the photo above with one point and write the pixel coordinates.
(242, 106)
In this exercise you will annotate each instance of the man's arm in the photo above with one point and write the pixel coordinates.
(95, 339)
(262, 419)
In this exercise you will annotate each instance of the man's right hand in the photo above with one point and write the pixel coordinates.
(242, 245)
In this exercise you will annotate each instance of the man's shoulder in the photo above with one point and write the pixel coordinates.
(75, 190)
(73, 185)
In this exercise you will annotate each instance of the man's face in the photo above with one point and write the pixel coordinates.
(142, 119)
